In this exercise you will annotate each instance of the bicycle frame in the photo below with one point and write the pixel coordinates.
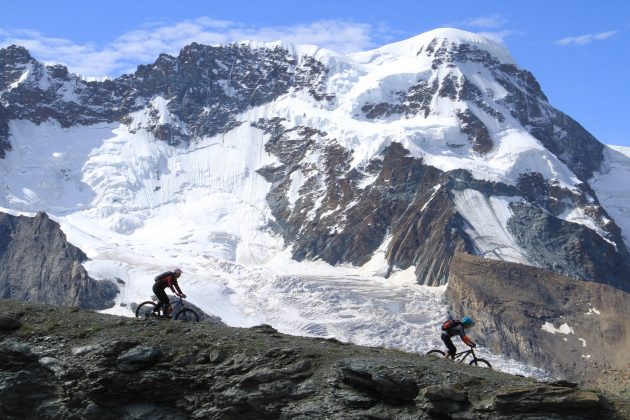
(177, 301)
(179, 310)
(463, 355)
(177, 305)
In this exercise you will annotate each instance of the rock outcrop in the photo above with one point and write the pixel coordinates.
(66, 363)
(571, 328)
(39, 265)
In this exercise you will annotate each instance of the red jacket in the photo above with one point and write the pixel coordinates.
(169, 280)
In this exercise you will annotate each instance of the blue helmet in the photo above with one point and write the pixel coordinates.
(468, 322)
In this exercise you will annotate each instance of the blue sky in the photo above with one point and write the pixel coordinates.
(578, 50)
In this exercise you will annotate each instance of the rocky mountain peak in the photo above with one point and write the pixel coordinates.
(14, 54)
(15, 63)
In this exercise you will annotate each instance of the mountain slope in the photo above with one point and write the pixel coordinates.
(235, 161)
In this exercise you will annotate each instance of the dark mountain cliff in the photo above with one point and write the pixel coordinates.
(206, 87)
(568, 327)
(39, 265)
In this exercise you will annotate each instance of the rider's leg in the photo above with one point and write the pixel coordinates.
(449, 344)
(163, 302)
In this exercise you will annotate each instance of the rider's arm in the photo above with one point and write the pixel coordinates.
(179, 291)
(464, 337)
(468, 341)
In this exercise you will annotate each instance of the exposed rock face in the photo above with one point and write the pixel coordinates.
(566, 248)
(195, 94)
(404, 202)
(67, 364)
(344, 215)
(39, 265)
(572, 328)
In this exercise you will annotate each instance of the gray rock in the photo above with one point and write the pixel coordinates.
(9, 323)
(443, 399)
(391, 388)
(52, 364)
(138, 358)
(217, 356)
(569, 248)
(39, 265)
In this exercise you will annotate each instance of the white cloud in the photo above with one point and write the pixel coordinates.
(487, 26)
(493, 21)
(584, 39)
(143, 45)
(499, 36)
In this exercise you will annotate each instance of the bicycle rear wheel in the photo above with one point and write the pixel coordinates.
(480, 363)
(436, 352)
(187, 315)
(145, 309)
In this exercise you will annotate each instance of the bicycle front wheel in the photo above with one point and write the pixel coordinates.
(187, 315)
(480, 363)
(145, 309)
(436, 353)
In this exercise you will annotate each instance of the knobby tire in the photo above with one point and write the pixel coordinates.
(435, 353)
(187, 315)
(480, 363)
(145, 309)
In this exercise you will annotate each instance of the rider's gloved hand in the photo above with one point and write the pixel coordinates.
(182, 295)
(473, 345)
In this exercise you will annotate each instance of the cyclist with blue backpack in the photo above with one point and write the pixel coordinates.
(454, 327)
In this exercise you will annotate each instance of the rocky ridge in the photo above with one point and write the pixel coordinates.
(198, 93)
(67, 363)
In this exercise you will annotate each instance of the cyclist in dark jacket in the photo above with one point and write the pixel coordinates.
(457, 328)
(164, 280)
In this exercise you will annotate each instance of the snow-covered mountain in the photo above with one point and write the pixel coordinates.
(311, 190)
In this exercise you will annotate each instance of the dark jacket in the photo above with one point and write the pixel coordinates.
(165, 280)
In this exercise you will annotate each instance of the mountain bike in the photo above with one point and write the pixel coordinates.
(180, 313)
(462, 355)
